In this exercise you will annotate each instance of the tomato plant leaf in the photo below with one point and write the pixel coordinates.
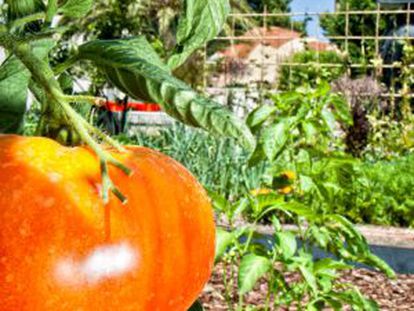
(14, 82)
(223, 241)
(252, 268)
(259, 115)
(310, 131)
(76, 8)
(201, 22)
(342, 110)
(21, 8)
(275, 138)
(286, 242)
(13, 94)
(197, 306)
(309, 278)
(135, 68)
(329, 264)
(329, 119)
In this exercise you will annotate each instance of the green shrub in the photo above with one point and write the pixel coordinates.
(386, 193)
(308, 71)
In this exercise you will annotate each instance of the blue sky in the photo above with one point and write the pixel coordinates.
(313, 6)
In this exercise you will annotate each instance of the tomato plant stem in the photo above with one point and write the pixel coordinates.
(50, 94)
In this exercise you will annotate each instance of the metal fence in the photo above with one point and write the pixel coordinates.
(250, 63)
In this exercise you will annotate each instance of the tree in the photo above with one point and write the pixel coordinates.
(277, 6)
(360, 50)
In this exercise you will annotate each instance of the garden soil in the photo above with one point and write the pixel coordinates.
(391, 295)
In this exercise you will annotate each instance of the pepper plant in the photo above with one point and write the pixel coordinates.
(301, 139)
(271, 258)
(30, 30)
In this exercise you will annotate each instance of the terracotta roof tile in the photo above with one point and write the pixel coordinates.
(279, 37)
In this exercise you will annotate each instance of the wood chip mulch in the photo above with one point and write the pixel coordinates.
(391, 295)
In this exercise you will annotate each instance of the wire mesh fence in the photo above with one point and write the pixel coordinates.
(368, 43)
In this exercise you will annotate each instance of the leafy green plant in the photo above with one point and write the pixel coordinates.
(310, 69)
(218, 163)
(302, 119)
(131, 64)
(382, 194)
(360, 50)
(300, 133)
(29, 32)
(273, 258)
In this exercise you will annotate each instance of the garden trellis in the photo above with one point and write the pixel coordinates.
(372, 64)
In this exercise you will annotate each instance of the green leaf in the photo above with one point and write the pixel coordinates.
(76, 8)
(329, 119)
(21, 8)
(342, 110)
(329, 264)
(201, 22)
(252, 268)
(354, 298)
(291, 207)
(259, 115)
(286, 242)
(275, 138)
(135, 68)
(349, 228)
(269, 199)
(308, 277)
(377, 262)
(219, 202)
(197, 306)
(310, 131)
(14, 82)
(223, 240)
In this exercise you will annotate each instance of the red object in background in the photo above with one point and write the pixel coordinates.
(134, 106)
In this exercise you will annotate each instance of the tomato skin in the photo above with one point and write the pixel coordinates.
(62, 249)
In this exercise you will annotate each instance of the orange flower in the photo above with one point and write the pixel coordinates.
(290, 175)
(285, 190)
(257, 192)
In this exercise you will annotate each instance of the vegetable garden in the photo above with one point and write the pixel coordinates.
(229, 203)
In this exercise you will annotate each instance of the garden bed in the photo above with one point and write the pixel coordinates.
(390, 295)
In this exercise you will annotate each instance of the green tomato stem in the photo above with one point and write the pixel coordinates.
(44, 77)
(96, 101)
(61, 68)
(109, 186)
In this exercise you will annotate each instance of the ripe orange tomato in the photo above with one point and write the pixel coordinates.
(62, 249)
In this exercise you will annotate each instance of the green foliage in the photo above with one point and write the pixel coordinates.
(303, 119)
(383, 194)
(308, 70)
(203, 21)
(134, 67)
(270, 259)
(20, 8)
(252, 268)
(359, 25)
(14, 82)
(299, 134)
(76, 8)
(276, 6)
(218, 163)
